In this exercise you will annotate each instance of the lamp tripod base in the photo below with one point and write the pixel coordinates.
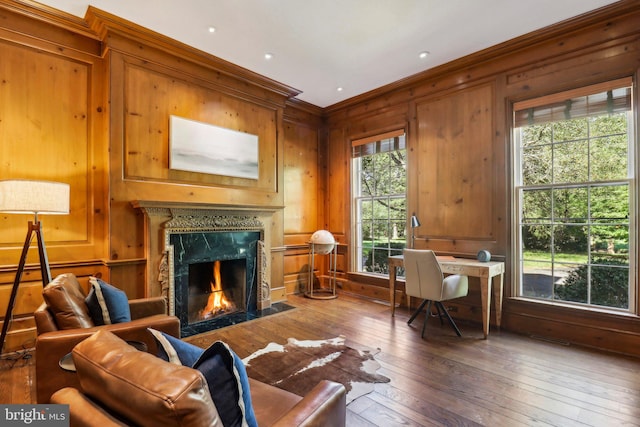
(34, 227)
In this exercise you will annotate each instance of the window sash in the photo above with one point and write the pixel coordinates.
(595, 100)
(378, 144)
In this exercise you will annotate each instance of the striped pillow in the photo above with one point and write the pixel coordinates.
(225, 373)
(107, 304)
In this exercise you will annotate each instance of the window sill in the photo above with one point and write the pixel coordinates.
(372, 278)
(573, 307)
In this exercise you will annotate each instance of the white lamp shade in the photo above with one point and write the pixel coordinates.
(35, 197)
(323, 242)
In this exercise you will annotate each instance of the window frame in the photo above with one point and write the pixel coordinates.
(518, 189)
(356, 198)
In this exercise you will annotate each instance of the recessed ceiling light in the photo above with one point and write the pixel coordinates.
(423, 54)
(268, 55)
(339, 89)
(212, 29)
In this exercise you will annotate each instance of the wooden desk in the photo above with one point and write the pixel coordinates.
(490, 273)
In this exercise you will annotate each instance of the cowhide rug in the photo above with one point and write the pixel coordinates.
(299, 365)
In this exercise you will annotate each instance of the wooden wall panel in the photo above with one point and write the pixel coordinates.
(44, 128)
(301, 179)
(454, 168)
(151, 97)
(303, 191)
(297, 268)
(338, 196)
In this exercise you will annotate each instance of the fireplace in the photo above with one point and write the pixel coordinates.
(182, 237)
(215, 277)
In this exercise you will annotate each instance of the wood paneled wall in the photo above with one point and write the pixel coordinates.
(86, 101)
(52, 118)
(459, 146)
(304, 180)
(92, 109)
(453, 148)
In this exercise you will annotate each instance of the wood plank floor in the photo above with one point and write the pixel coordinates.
(507, 380)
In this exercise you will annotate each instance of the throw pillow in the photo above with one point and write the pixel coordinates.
(224, 371)
(176, 351)
(107, 304)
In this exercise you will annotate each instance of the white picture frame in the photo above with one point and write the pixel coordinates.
(201, 147)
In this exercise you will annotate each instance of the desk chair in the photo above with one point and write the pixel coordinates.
(424, 279)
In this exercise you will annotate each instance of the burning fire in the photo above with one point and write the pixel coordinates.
(217, 302)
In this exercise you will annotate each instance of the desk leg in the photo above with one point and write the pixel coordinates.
(497, 295)
(392, 289)
(485, 293)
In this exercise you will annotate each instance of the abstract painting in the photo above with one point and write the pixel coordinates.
(201, 147)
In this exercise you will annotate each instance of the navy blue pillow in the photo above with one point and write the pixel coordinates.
(176, 351)
(224, 371)
(107, 304)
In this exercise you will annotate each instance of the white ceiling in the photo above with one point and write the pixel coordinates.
(320, 45)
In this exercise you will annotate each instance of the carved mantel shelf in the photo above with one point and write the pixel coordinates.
(150, 204)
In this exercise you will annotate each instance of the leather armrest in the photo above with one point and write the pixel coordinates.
(84, 412)
(325, 404)
(145, 307)
(52, 346)
(44, 320)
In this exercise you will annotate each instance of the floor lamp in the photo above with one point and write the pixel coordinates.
(31, 197)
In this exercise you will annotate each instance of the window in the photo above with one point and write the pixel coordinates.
(379, 177)
(573, 194)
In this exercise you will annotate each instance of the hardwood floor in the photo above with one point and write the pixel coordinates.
(507, 380)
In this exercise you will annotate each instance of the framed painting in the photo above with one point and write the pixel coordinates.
(201, 147)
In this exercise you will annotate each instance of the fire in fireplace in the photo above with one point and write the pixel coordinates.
(216, 289)
(217, 302)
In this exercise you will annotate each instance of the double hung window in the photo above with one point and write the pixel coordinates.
(379, 177)
(574, 186)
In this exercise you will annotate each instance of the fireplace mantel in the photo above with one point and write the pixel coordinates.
(161, 218)
(149, 204)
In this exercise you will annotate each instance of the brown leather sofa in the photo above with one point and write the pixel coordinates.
(123, 386)
(61, 328)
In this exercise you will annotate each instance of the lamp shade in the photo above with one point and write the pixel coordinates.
(323, 242)
(415, 222)
(35, 197)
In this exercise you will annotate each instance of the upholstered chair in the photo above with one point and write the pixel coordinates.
(64, 320)
(424, 280)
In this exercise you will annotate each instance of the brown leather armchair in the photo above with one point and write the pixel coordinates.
(60, 331)
(123, 386)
